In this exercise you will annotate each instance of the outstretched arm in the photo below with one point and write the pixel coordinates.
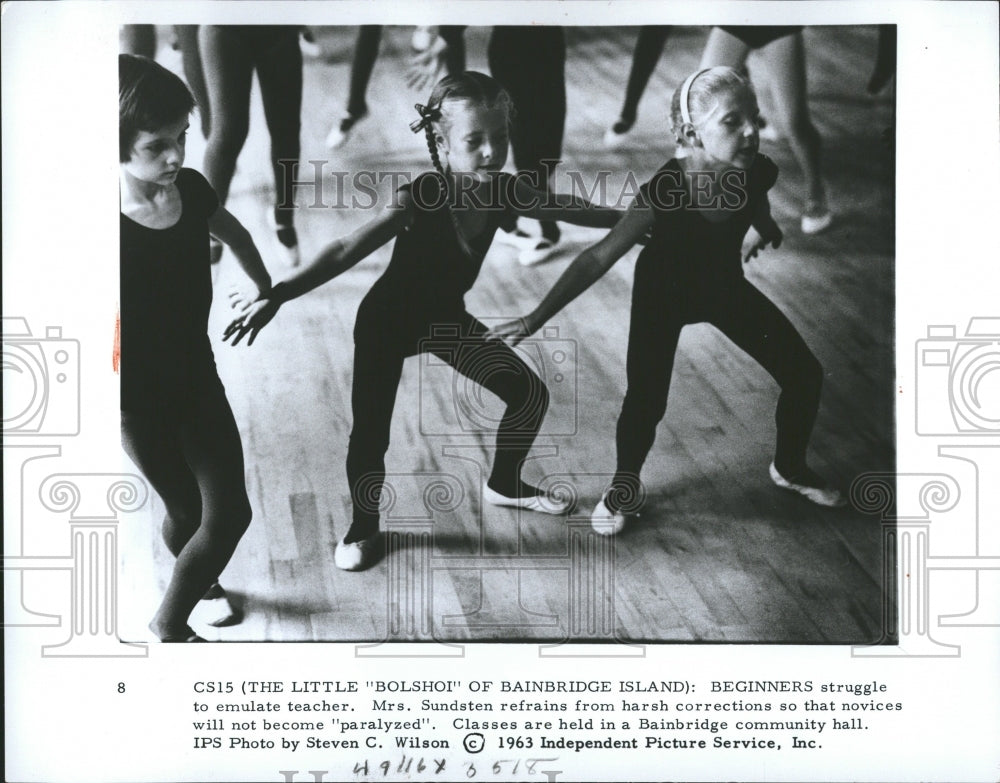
(342, 254)
(336, 258)
(585, 270)
(540, 205)
(226, 228)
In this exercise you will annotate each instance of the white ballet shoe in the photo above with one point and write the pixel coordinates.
(821, 496)
(359, 555)
(612, 140)
(816, 219)
(545, 503)
(422, 39)
(309, 48)
(767, 131)
(342, 129)
(614, 137)
(605, 523)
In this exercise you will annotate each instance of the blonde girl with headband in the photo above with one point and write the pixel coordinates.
(443, 224)
(699, 209)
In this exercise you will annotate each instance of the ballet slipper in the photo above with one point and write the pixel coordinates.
(341, 130)
(820, 495)
(614, 136)
(542, 502)
(358, 555)
(605, 522)
(816, 218)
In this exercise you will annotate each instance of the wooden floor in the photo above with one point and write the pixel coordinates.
(718, 555)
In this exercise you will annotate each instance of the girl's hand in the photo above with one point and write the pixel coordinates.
(426, 67)
(242, 297)
(758, 239)
(252, 319)
(770, 232)
(511, 332)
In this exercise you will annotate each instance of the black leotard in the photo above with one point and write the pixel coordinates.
(430, 272)
(685, 248)
(166, 293)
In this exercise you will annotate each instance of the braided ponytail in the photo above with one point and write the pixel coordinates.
(433, 149)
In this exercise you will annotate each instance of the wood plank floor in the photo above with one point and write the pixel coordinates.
(718, 555)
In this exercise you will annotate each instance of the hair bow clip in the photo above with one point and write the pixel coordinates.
(428, 114)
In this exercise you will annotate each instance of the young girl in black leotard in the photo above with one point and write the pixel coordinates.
(176, 423)
(699, 209)
(443, 225)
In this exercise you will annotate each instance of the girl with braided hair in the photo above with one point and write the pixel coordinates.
(443, 223)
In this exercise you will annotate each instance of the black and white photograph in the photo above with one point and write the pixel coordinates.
(588, 358)
(434, 446)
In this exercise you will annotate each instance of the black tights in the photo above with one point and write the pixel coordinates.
(194, 461)
(458, 341)
(230, 55)
(648, 48)
(753, 323)
(362, 65)
(537, 87)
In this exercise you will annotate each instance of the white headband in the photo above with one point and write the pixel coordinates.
(685, 89)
